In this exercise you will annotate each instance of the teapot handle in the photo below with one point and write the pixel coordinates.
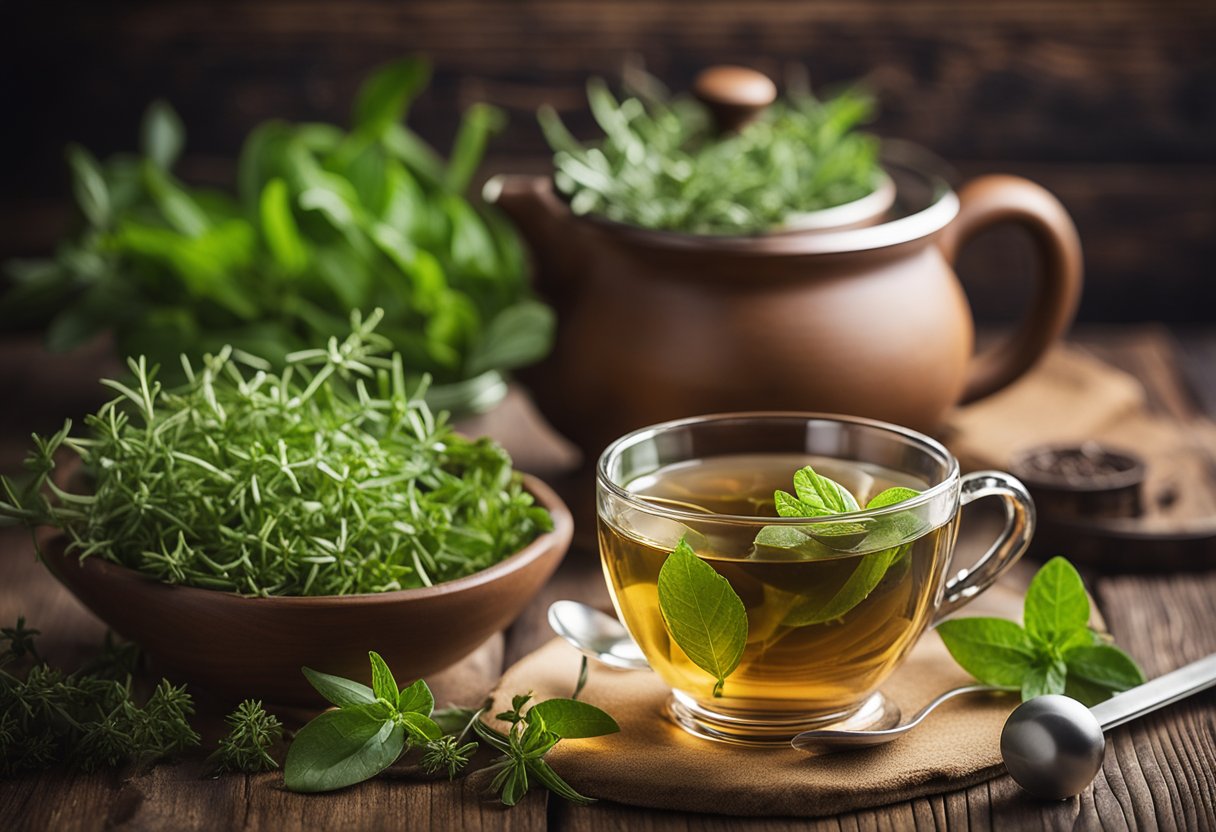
(991, 200)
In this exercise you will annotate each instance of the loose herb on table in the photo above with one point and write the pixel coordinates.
(1053, 651)
(246, 748)
(87, 719)
(373, 727)
(661, 164)
(705, 616)
(327, 479)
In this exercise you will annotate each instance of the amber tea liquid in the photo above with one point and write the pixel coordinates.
(793, 663)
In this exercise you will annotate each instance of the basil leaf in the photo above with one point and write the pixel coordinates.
(163, 135)
(420, 728)
(993, 650)
(341, 748)
(279, 227)
(1096, 673)
(891, 496)
(870, 571)
(416, 698)
(89, 186)
(571, 719)
(341, 692)
(790, 506)
(384, 686)
(477, 124)
(1043, 678)
(1057, 607)
(814, 490)
(386, 95)
(518, 335)
(703, 614)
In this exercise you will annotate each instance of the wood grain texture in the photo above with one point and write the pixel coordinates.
(1109, 103)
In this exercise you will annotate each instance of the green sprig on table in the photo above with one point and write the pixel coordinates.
(371, 729)
(246, 747)
(88, 719)
(329, 478)
(323, 221)
(660, 163)
(1053, 651)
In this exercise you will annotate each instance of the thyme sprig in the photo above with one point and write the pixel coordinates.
(327, 479)
(49, 717)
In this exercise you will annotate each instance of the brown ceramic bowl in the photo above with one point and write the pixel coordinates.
(237, 647)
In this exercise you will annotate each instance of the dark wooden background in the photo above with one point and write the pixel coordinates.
(1109, 103)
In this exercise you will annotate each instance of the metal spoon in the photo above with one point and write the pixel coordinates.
(596, 635)
(828, 741)
(1053, 746)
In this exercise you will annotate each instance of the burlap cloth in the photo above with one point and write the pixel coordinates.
(655, 764)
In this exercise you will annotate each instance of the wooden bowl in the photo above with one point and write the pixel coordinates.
(237, 647)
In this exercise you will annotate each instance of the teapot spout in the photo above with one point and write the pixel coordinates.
(544, 221)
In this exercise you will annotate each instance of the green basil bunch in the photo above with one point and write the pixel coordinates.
(324, 221)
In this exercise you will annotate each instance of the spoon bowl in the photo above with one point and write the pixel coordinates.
(596, 635)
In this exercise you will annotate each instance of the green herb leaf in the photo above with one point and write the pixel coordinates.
(993, 650)
(89, 186)
(571, 719)
(892, 496)
(386, 95)
(279, 228)
(1099, 671)
(384, 686)
(163, 135)
(870, 571)
(1056, 605)
(703, 614)
(550, 779)
(420, 728)
(341, 748)
(416, 698)
(341, 692)
(1045, 676)
(821, 492)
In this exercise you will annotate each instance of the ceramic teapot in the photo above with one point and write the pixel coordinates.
(859, 312)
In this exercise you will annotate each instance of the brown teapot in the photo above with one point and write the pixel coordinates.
(859, 312)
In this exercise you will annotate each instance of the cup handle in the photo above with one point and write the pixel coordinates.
(1004, 553)
(995, 199)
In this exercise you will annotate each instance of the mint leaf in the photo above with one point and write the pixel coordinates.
(891, 496)
(1043, 678)
(341, 748)
(383, 683)
(1097, 672)
(823, 493)
(341, 692)
(993, 650)
(571, 719)
(1057, 607)
(790, 506)
(416, 698)
(420, 728)
(869, 572)
(702, 612)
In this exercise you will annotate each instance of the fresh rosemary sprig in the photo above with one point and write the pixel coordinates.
(247, 746)
(327, 479)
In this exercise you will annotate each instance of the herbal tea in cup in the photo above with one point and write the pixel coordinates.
(776, 568)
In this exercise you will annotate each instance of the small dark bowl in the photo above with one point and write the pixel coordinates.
(237, 647)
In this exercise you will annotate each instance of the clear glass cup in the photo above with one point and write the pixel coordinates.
(834, 604)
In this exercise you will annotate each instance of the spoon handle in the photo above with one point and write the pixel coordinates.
(1162, 691)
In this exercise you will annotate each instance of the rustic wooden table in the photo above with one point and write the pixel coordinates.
(1160, 772)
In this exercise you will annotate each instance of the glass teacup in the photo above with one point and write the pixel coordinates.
(833, 603)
